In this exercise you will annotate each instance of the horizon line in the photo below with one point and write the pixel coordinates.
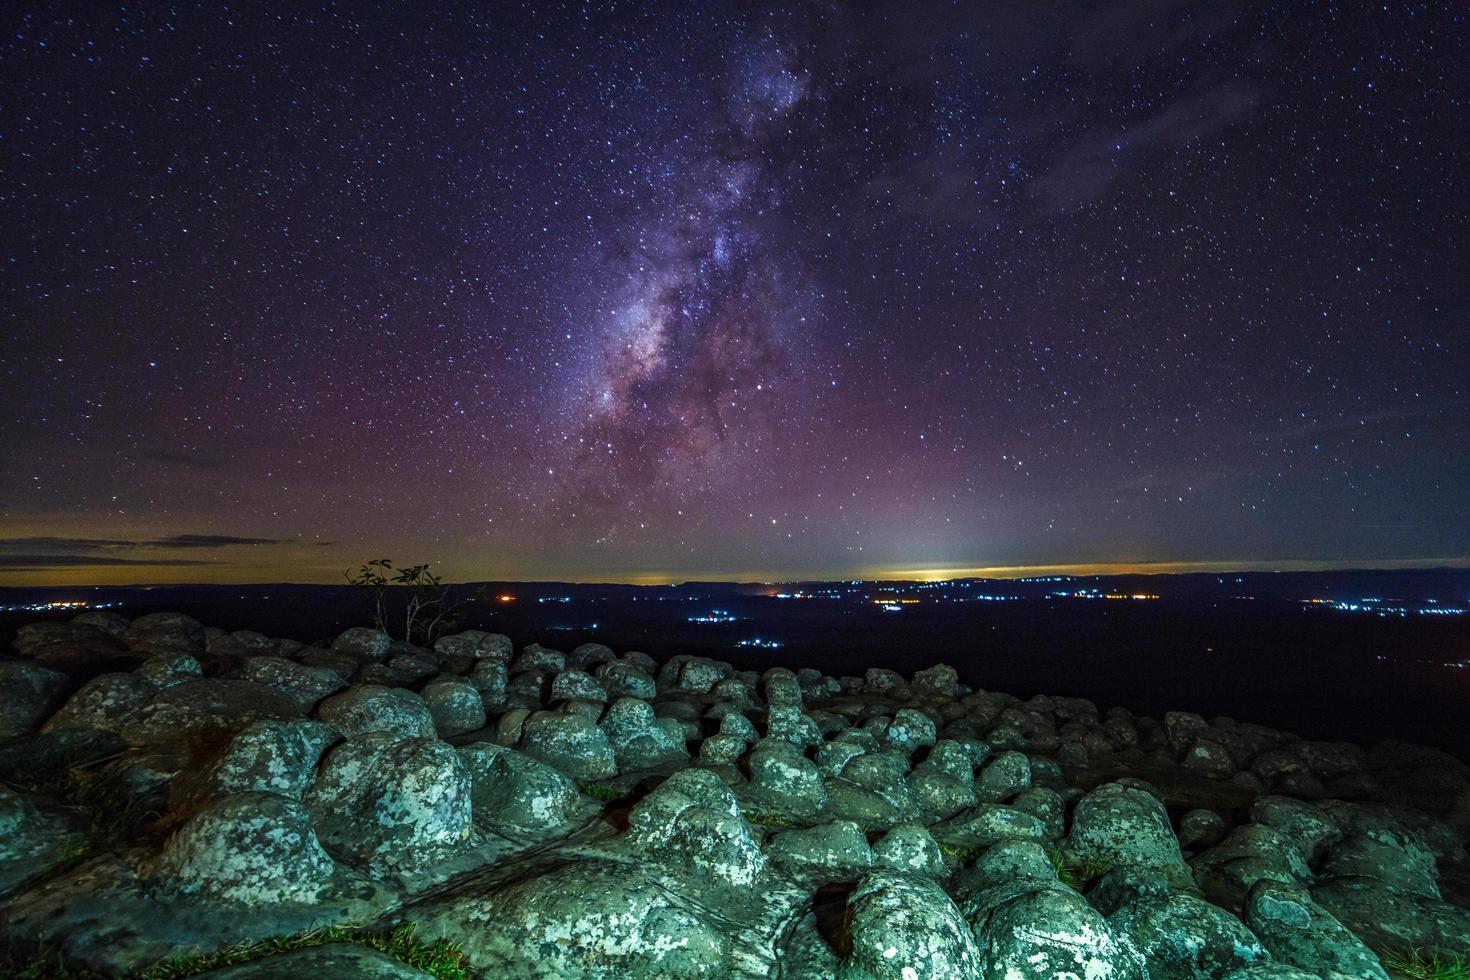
(922, 574)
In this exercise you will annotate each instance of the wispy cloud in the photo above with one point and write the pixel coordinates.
(53, 551)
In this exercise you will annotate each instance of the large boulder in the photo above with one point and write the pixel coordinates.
(369, 708)
(269, 756)
(253, 849)
(31, 693)
(581, 919)
(514, 795)
(364, 642)
(304, 684)
(204, 710)
(641, 740)
(570, 742)
(1298, 931)
(388, 801)
(905, 926)
(1119, 824)
(476, 644)
(456, 705)
(1185, 938)
(692, 821)
(103, 703)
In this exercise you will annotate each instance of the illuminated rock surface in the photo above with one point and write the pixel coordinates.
(169, 788)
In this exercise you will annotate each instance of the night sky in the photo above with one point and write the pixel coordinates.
(664, 291)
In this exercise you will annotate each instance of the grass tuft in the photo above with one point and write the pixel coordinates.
(769, 820)
(441, 958)
(963, 853)
(601, 791)
(1417, 964)
(1078, 874)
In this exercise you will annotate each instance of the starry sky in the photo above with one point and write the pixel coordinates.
(662, 291)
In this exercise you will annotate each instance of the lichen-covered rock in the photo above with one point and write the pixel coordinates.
(1121, 824)
(988, 824)
(789, 723)
(364, 642)
(721, 750)
(515, 795)
(536, 658)
(693, 820)
(577, 685)
(839, 846)
(939, 681)
(391, 801)
(456, 706)
(587, 656)
(626, 680)
(570, 742)
(104, 620)
(204, 708)
(304, 684)
(1007, 774)
(1306, 825)
(1202, 828)
(167, 669)
(30, 693)
(1251, 853)
(780, 686)
(582, 919)
(1298, 931)
(102, 703)
(909, 731)
(1389, 918)
(368, 708)
(1209, 757)
(640, 740)
(476, 644)
(905, 926)
(165, 632)
(253, 849)
(1185, 938)
(785, 782)
(910, 848)
(269, 756)
(1048, 932)
(30, 840)
(33, 637)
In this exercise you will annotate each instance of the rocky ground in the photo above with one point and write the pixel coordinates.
(173, 797)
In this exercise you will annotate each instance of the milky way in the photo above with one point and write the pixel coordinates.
(671, 290)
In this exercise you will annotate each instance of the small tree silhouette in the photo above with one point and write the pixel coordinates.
(428, 606)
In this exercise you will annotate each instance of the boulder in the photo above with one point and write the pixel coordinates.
(569, 742)
(1298, 931)
(839, 846)
(909, 848)
(905, 926)
(626, 680)
(368, 708)
(251, 849)
(640, 740)
(270, 757)
(364, 642)
(455, 705)
(204, 709)
(388, 801)
(1184, 938)
(103, 703)
(476, 644)
(304, 684)
(514, 795)
(577, 685)
(30, 694)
